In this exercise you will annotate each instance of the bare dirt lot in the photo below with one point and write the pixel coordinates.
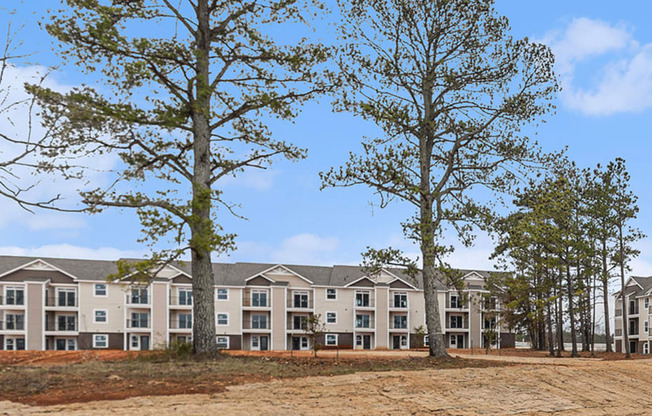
(531, 385)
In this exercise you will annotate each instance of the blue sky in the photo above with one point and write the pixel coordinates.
(604, 55)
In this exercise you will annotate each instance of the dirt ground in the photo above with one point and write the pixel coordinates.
(534, 386)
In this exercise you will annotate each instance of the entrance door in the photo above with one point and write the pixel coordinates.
(396, 342)
(366, 342)
(296, 343)
(632, 347)
(460, 341)
(144, 342)
(264, 341)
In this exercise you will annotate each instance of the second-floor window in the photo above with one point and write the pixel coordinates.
(331, 317)
(15, 322)
(15, 296)
(100, 289)
(222, 319)
(362, 299)
(456, 322)
(490, 323)
(362, 321)
(66, 323)
(300, 300)
(259, 321)
(400, 300)
(185, 321)
(331, 294)
(455, 301)
(222, 294)
(299, 322)
(259, 298)
(400, 321)
(185, 296)
(139, 295)
(66, 297)
(647, 303)
(100, 316)
(139, 320)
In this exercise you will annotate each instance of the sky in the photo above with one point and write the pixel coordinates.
(604, 59)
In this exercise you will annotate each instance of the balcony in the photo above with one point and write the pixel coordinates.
(260, 325)
(457, 305)
(296, 326)
(619, 312)
(363, 303)
(61, 302)
(182, 301)
(139, 323)
(137, 300)
(67, 326)
(299, 304)
(181, 324)
(255, 303)
(15, 325)
(619, 332)
(632, 310)
(18, 301)
(399, 327)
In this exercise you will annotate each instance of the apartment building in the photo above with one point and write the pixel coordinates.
(67, 304)
(637, 300)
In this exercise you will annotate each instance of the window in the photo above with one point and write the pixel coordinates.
(185, 321)
(139, 296)
(72, 344)
(647, 302)
(255, 344)
(134, 341)
(331, 294)
(139, 320)
(300, 300)
(404, 341)
(304, 343)
(15, 296)
(15, 322)
(222, 294)
(184, 339)
(400, 300)
(66, 297)
(100, 341)
(100, 316)
(455, 301)
(456, 322)
(400, 321)
(362, 321)
(222, 318)
(223, 343)
(491, 303)
(490, 323)
(259, 321)
(358, 340)
(426, 341)
(331, 317)
(259, 298)
(66, 323)
(362, 299)
(100, 289)
(299, 322)
(185, 296)
(60, 344)
(331, 339)
(647, 326)
(646, 348)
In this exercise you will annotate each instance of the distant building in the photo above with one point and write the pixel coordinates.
(67, 304)
(638, 296)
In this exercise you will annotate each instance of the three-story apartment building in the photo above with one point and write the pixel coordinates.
(67, 304)
(638, 301)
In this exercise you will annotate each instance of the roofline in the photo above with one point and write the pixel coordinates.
(73, 277)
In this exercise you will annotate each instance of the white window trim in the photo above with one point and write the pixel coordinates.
(106, 337)
(217, 294)
(259, 291)
(337, 341)
(217, 318)
(331, 323)
(228, 339)
(251, 342)
(106, 314)
(326, 295)
(268, 320)
(106, 290)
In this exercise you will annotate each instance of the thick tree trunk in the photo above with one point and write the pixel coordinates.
(433, 320)
(201, 227)
(605, 295)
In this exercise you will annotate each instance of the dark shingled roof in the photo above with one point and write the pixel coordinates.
(225, 274)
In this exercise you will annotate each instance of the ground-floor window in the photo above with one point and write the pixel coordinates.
(63, 344)
(223, 343)
(304, 343)
(426, 341)
(14, 344)
(331, 339)
(100, 341)
(646, 348)
(184, 339)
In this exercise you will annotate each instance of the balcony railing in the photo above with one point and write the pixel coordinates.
(67, 302)
(296, 326)
(619, 332)
(633, 311)
(256, 304)
(138, 323)
(633, 331)
(619, 312)
(255, 325)
(61, 326)
(463, 306)
(176, 324)
(12, 325)
(392, 325)
(180, 301)
(451, 325)
(137, 300)
(362, 303)
(299, 304)
(12, 300)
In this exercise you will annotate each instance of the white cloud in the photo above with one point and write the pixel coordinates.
(71, 251)
(252, 178)
(304, 248)
(620, 66)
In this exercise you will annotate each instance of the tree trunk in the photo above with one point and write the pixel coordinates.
(571, 312)
(622, 292)
(560, 316)
(433, 320)
(593, 319)
(204, 336)
(605, 295)
(551, 341)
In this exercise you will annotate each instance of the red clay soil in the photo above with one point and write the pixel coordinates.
(39, 358)
(521, 352)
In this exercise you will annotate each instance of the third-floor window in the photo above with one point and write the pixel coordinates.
(15, 296)
(185, 296)
(66, 297)
(139, 295)
(362, 299)
(300, 300)
(400, 321)
(400, 300)
(362, 321)
(259, 298)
